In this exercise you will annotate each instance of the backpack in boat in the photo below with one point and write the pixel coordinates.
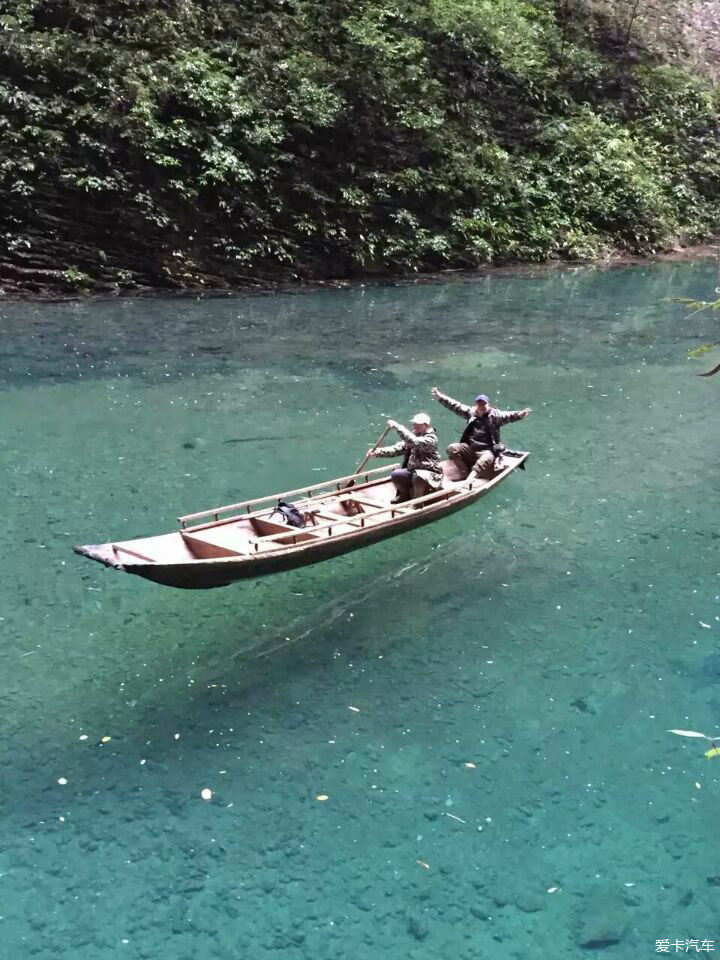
(289, 513)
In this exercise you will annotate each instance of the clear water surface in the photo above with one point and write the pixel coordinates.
(505, 786)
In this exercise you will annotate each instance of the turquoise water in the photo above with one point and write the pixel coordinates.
(548, 636)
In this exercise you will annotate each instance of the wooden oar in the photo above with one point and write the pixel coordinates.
(351, 483)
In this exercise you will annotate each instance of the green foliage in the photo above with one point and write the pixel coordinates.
(76, 278)
(206, 141)
(696, 306)
(699, 306)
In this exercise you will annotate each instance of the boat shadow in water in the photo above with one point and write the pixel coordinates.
(243, 673)
(243, 681)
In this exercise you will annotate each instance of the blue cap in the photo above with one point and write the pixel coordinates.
(482, 398)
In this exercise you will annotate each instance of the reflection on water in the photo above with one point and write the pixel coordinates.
(483, 702)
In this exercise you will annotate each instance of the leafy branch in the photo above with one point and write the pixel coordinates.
(698, 306)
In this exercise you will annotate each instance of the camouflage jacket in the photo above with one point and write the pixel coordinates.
(421, 452)
(497, 418)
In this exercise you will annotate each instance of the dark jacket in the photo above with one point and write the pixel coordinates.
(481, 433)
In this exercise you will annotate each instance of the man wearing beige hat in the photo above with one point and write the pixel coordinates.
(421, 471)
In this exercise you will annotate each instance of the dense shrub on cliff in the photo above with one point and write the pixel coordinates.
(190, 141)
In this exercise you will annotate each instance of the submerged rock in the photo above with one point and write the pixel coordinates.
(603, 920)
(418, 926)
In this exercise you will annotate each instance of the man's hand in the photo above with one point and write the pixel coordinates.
(526, 412)
(392, 425)
(435, 392)
(371, 451)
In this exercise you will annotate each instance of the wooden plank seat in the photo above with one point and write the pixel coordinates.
(264, 527)
(160, 549)
(346, 517)
(344, 507)
(238, 539)
(367, 504)
(340, 523)
(337, 516)
(378, 494)
(354, 505)
(212, 543)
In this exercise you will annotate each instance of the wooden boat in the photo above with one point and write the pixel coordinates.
(216, 547)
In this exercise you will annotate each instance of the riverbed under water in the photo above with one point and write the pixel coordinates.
(484, 702)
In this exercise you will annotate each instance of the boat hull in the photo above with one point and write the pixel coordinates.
(220, 572)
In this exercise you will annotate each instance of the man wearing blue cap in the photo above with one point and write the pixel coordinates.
(479, 449)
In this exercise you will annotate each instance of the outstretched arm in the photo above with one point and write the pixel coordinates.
(510, 416)
(461, 409)
(394, 451)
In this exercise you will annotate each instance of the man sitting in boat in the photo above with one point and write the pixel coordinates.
(479, 449)
(421, 471)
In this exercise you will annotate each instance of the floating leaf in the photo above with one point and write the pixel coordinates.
(689, 733)
(423, 864)
(712, 752)
(322, 796)
(701, 351)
